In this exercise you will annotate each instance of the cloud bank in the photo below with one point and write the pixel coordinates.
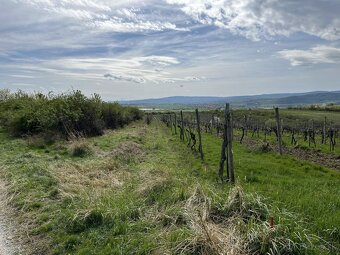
(316, 55)
(256, 19)
(132, 45)
(101, 15)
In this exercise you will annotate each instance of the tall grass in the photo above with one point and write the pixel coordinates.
(69, 114)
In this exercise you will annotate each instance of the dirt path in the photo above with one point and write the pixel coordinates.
(8, 244)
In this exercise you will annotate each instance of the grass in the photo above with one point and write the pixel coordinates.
(134, 193)
(298, 186)
(291, 115)
(294, 118)
(286, 139)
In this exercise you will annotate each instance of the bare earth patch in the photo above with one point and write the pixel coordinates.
(320, 158)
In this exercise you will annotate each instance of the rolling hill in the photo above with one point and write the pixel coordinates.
(265, 100)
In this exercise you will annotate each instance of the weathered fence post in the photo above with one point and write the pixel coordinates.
(170, 121)
(199, 134)
(279, 132)
(232, 127)
(224, 157)
(217, 127)
(182, 129)
(175, 124)
(227, 148)
(230, 144)
(212, 124)
(324, 137)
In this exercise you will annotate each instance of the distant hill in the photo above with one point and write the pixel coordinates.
(265, 100)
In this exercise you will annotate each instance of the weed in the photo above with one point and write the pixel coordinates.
(80, 148)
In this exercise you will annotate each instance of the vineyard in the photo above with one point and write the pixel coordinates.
(305, 137)
(185, 182)
(292, 134)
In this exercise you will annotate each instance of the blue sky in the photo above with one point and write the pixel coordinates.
(155, 48)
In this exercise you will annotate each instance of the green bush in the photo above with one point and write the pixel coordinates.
(71, 114)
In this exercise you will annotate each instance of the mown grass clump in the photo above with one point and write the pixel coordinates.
(244, 224)
(71, 114)
(85, 220)
(80, 148)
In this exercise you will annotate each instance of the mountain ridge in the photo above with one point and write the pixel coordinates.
(262, 100)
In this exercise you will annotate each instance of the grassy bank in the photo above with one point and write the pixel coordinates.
(134, 191)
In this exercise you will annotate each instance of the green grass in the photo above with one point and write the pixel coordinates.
(127, 196)
(313, 191)
(286, 139)
(291, 115)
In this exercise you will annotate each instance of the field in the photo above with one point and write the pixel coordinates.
(172, 127)
(130, 191)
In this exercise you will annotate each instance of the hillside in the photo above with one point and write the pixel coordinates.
(265, 100)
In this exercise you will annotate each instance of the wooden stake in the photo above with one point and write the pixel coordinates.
(230, 144)
(170, 119)
(224, 157)
(199, 134)
(182, 125)
(175, 124)
(279, 132)
(324, 131)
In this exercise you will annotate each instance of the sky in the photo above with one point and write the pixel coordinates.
(134, 49)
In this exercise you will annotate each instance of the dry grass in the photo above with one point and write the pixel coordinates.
(210, 237)
(95, 176)
(128, 151)
(150, 181)
(80, 148)
(242, 226)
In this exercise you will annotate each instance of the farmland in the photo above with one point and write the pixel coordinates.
(171, 127)
(128, 193)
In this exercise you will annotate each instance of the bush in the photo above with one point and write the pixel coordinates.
(71, 114)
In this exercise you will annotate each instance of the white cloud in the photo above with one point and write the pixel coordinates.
(256, 19)
(22, 76)
(119, 25)
(316, 55)
(158, 60)
(134, 70)
(124, 78)
(100, 15)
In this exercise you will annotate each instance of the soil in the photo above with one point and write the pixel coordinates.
(320, 158)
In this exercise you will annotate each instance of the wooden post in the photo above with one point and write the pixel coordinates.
(217, 127)
(170, 119)
(279, 132)
(175, 124)
(212, 124)
(313, 133)
(224, 157)
(324, 131)
(246, 124)
(232, 127)
(230, 144)
(199, 134)
(182, 125)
